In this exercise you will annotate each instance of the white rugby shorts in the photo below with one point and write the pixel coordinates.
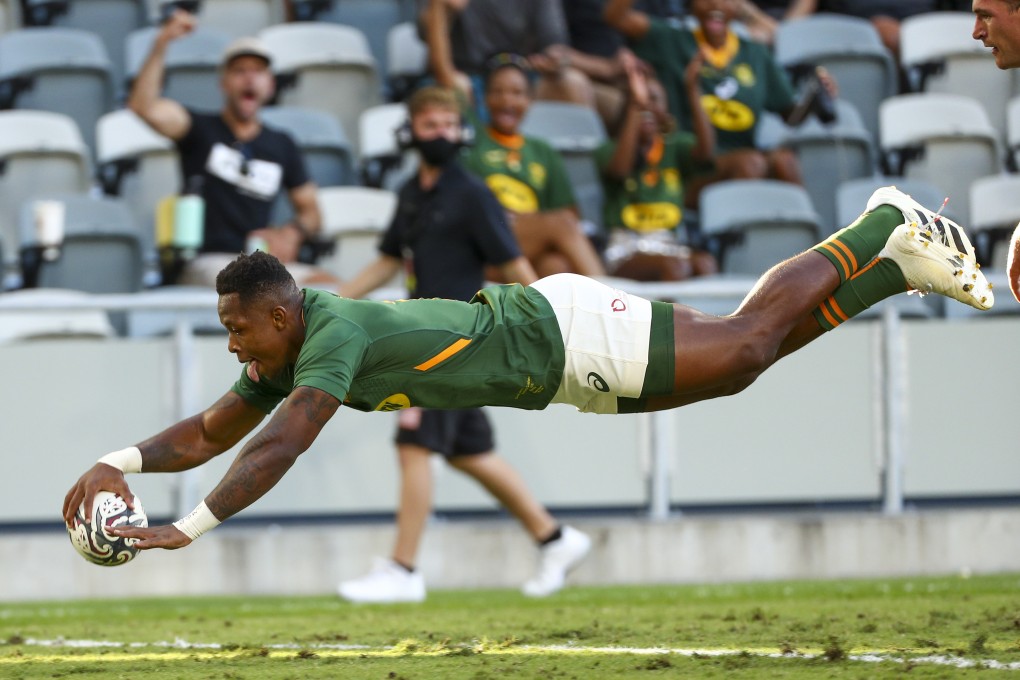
(605, 338)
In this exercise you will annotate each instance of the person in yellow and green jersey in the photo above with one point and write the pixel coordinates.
(643, 174)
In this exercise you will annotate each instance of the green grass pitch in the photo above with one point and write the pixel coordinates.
(945, 627)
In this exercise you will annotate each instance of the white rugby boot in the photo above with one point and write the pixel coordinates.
(557, 559)
(933, 252)
(387, 583)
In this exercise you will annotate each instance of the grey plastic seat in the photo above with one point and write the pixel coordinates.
(406, 60)
(575, 131)
(20, 326)
(852, 196)
(324, 66)
(192, 65)
(101, 250)
(57, 69)
(760, 222)
(381, 162)
(111, 20)
(829, 155)
(851, 50)
(239, 18)
(945, 139)
(939, 55)
(994, 214)
(40, 152)
(355, 218)
(139, 166)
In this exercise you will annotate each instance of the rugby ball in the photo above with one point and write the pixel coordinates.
(94, 543)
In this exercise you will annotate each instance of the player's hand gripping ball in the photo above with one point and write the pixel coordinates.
(94, 543)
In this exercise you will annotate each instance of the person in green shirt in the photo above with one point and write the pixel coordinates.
(643, 174)
(740, 80)
(563, 339)
(528, 176)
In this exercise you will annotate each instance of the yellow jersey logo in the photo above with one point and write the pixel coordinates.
(513, 194)
(728, 115)
(394, 402)
(651, 216)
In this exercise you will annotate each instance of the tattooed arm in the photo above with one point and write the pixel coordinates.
(258, 467)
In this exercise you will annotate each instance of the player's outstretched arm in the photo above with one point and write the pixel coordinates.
(258, 467)
(1013, 263)
(182, 446)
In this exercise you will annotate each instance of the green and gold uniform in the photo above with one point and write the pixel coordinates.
(651, 199)
(504, 348)
(738, 81)
(526, 174)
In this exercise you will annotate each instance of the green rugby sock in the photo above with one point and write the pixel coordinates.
(851, 249)
(875, 282)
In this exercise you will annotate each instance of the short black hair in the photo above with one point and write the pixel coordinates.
(256, 277)
(502, 60)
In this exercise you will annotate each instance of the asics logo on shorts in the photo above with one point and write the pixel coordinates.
(598, 382)
(619, 305)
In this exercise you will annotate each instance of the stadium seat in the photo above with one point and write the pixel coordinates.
(19, 326)
(157, 320)
(40, 152)
(851, 50)
(192, 65)
(373, 18)
(322, 140)
(138, 165)
(852, 196)
(326, 67)
(383, 165)
(994, 214)
(101, 250)
(759, 223)
(406, 60)
(829, 154)
(1013, 135)
(239, 18)
(939, 55)
(10, 15)
(355, 218)
(945, 139)
(57, 69)
(111, 20)
(576, 131)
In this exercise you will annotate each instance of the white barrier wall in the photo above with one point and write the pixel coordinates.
(806, 432)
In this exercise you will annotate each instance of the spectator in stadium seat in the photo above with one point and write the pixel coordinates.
(239, 165)
(465, 33)
(447, 227)
(997, 25)
(526, 174)
(644, 171)
(739, 80)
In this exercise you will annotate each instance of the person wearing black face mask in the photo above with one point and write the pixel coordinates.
(447, 228)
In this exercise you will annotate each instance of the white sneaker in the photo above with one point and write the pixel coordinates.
(557, 559)
(933, 252)
(387, 582)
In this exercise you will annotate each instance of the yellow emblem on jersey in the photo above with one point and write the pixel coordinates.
(651, 216)
(744, 75)
(394, 402)
(729, 115)
(513, 194)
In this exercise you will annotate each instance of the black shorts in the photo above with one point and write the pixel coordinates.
(452, 433)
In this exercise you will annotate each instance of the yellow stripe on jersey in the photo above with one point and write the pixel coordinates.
(444, 355)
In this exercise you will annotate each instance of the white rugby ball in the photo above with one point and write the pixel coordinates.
(93, 542)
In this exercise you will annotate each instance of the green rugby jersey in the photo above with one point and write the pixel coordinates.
(526, 174)
(503, 348)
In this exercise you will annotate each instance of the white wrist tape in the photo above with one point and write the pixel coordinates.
(125, 460)
(197, 522)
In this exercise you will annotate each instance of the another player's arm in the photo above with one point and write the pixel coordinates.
(182, 446)
(518, 270)
(372, 276)
(621, 15)
(258, 467)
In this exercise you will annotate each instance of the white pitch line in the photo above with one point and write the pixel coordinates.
(872, 657)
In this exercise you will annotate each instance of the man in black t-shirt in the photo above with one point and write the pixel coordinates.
(237, 165)
(447, 228)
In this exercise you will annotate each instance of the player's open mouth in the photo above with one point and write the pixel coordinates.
(252, 370)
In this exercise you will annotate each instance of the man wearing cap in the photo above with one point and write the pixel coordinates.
(237, 165)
